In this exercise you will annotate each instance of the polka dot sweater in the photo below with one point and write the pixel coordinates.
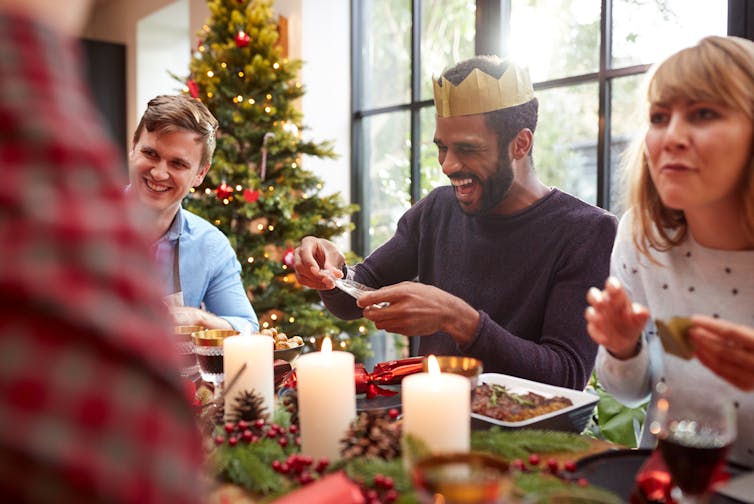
(689, 279)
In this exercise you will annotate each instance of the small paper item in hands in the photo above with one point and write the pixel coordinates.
(674, 336)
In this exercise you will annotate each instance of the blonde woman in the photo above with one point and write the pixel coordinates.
(685, 247)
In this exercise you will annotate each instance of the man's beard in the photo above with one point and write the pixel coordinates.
(496, 187)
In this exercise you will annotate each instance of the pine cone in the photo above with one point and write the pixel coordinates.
(247, 406)
(372, 434)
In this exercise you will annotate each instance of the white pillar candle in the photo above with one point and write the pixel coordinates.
(437, 409)
(326, 400)
(256, 351)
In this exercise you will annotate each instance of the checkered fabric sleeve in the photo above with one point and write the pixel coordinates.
(91, 403)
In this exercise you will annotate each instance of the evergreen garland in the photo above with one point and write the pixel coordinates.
(518, 444)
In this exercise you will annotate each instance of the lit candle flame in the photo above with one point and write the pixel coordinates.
(432, 366)
(326, 345)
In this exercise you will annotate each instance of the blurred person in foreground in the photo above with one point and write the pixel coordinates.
(171, 153)
(685, 247)
(493, 265)
(91, 406)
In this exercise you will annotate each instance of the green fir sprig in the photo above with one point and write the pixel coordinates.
(516, 444)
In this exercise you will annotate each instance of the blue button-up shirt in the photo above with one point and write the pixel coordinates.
(209, 271)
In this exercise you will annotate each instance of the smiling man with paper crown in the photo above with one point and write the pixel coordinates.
(494, 266)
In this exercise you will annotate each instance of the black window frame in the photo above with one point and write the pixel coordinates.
(492, 21)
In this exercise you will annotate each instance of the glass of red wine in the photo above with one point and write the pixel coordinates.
(208, 347)
(694, 429)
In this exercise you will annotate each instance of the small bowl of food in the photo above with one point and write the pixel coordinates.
(286, 348)
(456, 364)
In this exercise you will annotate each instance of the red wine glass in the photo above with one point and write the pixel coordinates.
(694, 428)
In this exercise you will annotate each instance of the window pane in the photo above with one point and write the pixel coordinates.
(388, 172)
(385, 53)
(625, 125)
(431, 171)
(647, 31)
(555, 38)
(447, 37)
(565, 142)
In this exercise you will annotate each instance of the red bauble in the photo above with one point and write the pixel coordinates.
(242, 39)
(224, 190)
(288, 257)
(193, 88)
(250, 196)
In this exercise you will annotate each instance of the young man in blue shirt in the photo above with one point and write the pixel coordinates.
(171, 153)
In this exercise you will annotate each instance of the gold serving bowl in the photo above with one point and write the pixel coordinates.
(212, 337)
(184, 332)
(456, 364)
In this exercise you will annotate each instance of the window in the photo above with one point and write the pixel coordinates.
(586, 58)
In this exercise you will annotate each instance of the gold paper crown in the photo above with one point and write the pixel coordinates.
(479, 92)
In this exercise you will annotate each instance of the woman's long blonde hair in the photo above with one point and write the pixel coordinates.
(717, 69)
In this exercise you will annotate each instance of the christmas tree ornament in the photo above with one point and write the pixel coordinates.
(223, 190)
(263, 171)
(193, 88)
(258, 225)
(250, 196)
(288, 257)
(242, 39)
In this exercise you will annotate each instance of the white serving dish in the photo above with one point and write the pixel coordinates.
(573, 418)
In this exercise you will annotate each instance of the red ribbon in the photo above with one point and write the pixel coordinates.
(384, 373)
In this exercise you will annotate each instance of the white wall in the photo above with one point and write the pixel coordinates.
(162, 46)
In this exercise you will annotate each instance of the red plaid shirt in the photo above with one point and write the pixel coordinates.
(91, 406)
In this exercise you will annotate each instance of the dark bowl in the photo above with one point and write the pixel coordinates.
(288, 354)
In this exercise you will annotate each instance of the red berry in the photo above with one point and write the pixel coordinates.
(272, 433)
(285, 468)
(553, 466)
(259, 423)
(229, 427)
(393, 413)
(534, 459)
(247, 436)
(388, 483)
(582, 482)
(283, 441)
(379, 480)
(569, 466)
(322, 465)
(305, 478)
(276, 465)
(390, 496)
(518, 464)
(243, 425)
(372, 495)
(293, 429)
(298, 441)
(233, 441)
(219, 439)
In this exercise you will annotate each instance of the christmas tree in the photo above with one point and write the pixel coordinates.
(257, 191)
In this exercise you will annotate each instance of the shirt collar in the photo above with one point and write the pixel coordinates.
(175, 229)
